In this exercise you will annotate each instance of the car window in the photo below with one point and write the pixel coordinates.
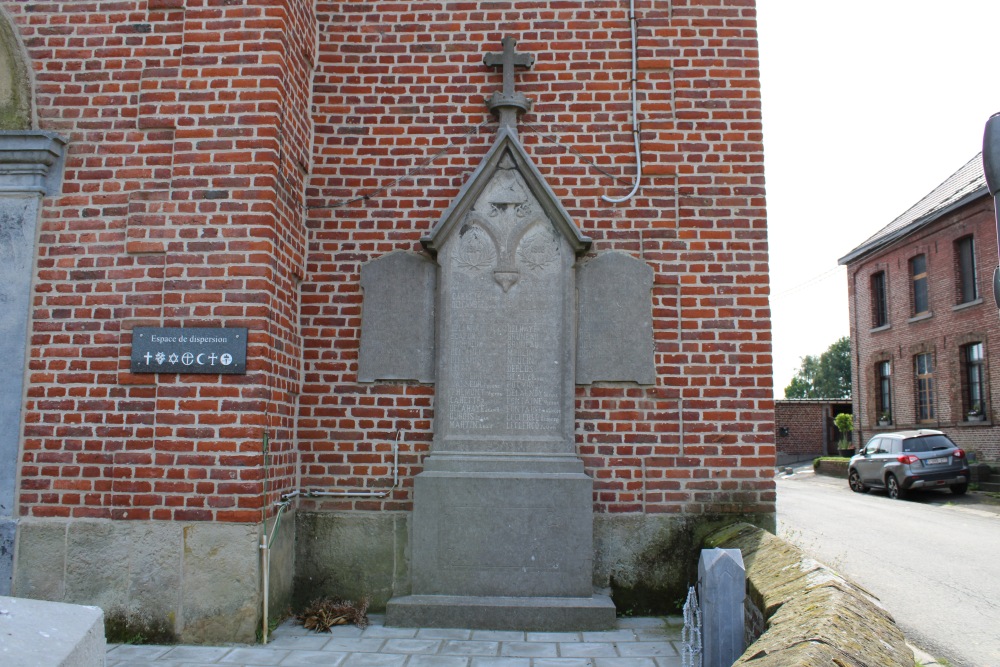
(927, 443)
(872, 446)
(896, 446)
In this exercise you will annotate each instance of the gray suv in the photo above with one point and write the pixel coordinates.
(898, 462)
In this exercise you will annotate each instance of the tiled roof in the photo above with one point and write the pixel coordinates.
(962, 187)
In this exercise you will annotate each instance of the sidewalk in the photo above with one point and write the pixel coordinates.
(637, 642)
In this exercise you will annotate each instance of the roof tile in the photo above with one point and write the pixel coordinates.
(964, 185)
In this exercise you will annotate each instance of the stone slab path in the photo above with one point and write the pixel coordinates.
(636, 642)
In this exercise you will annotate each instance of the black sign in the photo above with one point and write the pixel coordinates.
(201, 351)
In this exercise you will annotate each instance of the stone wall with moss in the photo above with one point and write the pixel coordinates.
(814, 616)
(195, 582)
(644, 561)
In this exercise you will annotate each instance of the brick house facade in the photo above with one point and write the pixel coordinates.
(235, 164)
(923, 323)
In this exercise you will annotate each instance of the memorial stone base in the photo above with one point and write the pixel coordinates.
(532, 614)
(503, 550)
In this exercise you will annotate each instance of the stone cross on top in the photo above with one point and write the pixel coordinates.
(507, 104)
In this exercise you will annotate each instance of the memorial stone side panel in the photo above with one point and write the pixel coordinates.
(18, 217)
(615, 321)
(397, 319)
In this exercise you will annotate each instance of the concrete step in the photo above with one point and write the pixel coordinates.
(50, 634)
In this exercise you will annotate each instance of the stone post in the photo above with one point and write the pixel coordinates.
(721, 591)
(30, 168)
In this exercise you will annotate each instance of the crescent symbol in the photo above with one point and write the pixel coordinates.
(198, 358)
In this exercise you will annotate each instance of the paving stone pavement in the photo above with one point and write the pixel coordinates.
(636, 642)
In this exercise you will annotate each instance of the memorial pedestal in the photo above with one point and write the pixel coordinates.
(503, 550)
(533, 614)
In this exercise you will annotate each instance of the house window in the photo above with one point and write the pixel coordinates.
(972, 380)
(918, 272)
(966, 256)
(924, 371)
(883, 391)
(879, 311)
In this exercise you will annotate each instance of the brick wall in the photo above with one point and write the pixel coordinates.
(235, 164)
(399, 128)
(804, 427)
(799, 428)
(941, 334)
(181, 205)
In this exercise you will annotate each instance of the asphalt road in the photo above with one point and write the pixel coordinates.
(932, 559)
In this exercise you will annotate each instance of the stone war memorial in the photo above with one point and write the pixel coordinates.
(461, 308)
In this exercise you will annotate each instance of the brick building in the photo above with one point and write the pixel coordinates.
(923, 323)
(236, 164)
(804, 427)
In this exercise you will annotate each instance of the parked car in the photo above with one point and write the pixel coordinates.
(898, 462)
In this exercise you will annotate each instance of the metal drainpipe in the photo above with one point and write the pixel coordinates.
(857, 358)
(265, 555)
(635, 113)
(265, 566)
(286, 499)
(356, 494)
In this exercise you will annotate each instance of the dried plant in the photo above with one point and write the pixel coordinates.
(323, 613)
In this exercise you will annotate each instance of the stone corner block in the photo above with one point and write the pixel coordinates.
(813, 615)
(51, 634)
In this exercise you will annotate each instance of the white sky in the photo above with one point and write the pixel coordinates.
(868, 105)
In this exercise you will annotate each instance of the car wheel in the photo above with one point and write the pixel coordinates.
(854, 480)
(960, 489)
(892, 487)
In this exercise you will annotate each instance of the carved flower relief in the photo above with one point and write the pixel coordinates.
(538, 248)
(475, 250)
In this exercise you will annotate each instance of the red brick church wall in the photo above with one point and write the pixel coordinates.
(401, 124)
(212, 180)
(189, 144)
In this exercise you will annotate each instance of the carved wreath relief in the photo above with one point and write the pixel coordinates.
(512, 234)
